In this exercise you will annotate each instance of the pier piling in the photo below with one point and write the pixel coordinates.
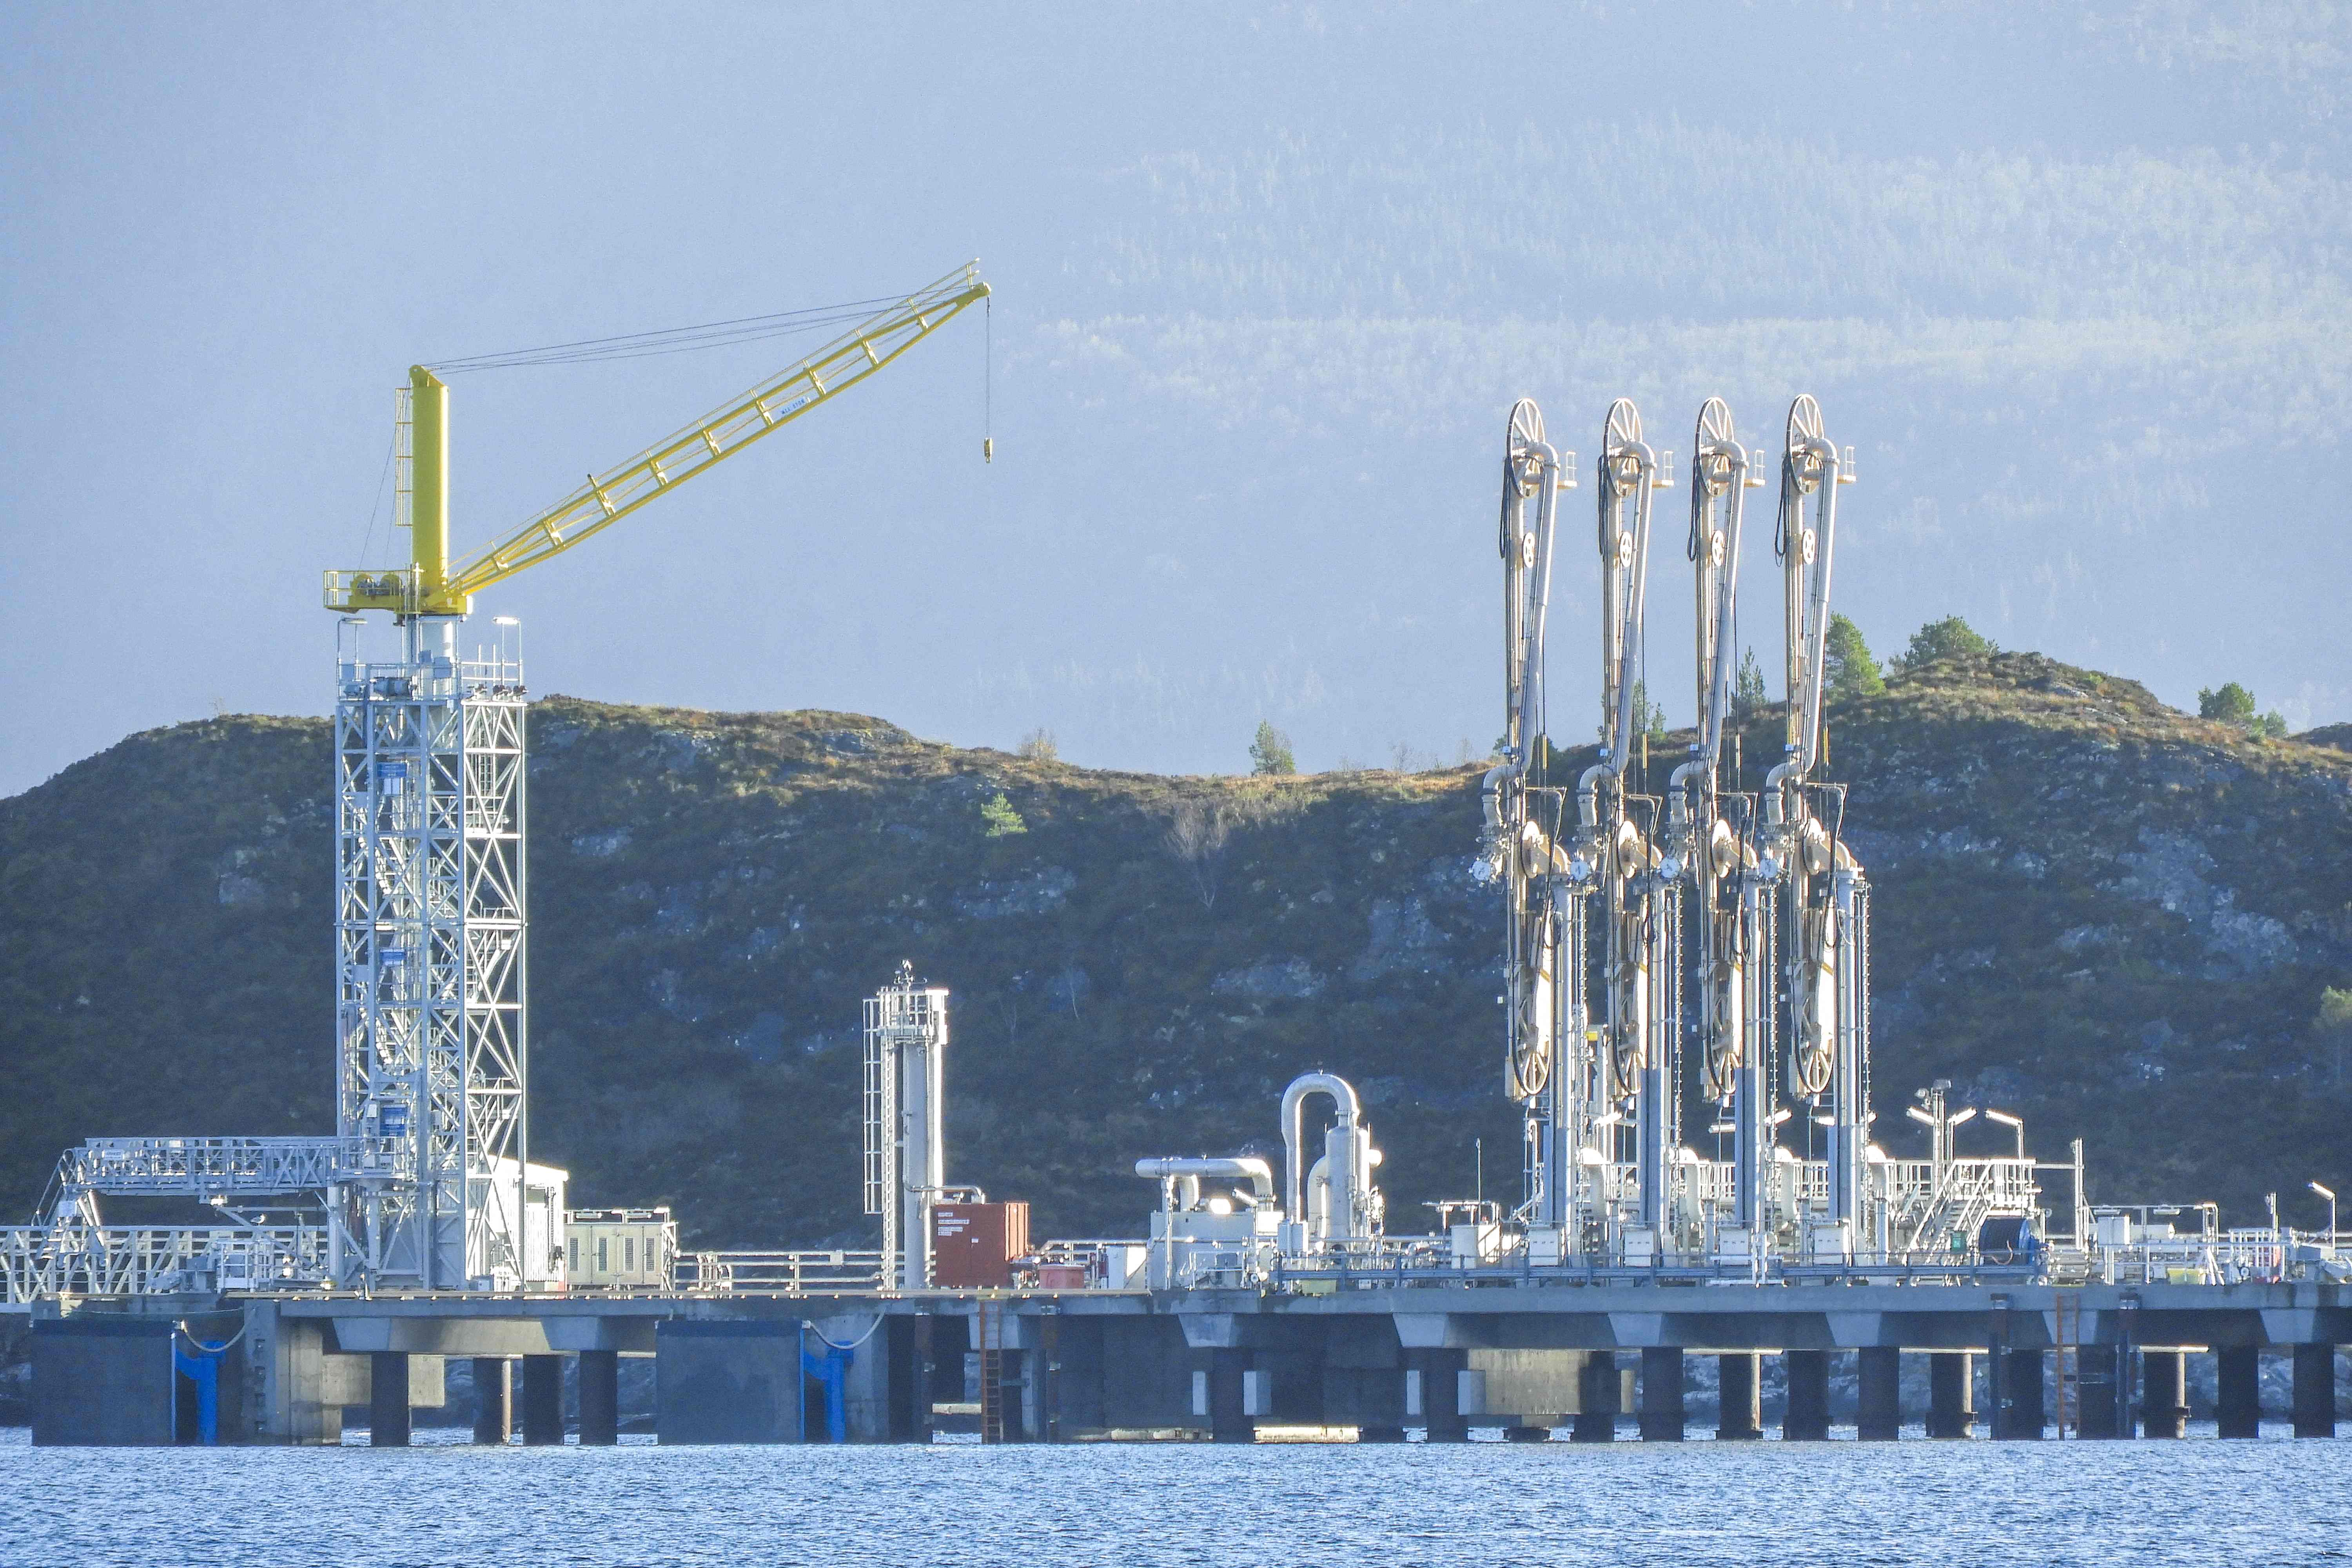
(1879, 1415)
(2314, 1390)
(2240, 1412)
(542, 1400)
(1808, 1416)
(1742, 1417)
(1663, 1413)
(493, 1399)
(1951, 1395)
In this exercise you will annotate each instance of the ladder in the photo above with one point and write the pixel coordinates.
(2068, 1316)
(990, 1326)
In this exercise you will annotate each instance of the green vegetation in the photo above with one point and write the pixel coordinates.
(1002, 820)
(1037, 746)
(1747, 695)
(1848, 671)
(1950, 638)
(1269, 752)
(2234, 705)
(2130, 925)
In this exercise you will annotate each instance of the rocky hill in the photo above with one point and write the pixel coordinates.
(2089, 909)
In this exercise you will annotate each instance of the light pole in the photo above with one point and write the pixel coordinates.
(2330, 1196)
(2015, 1123)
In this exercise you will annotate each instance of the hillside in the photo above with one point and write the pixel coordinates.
(2089, 909)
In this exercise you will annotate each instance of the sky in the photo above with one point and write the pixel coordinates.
(2072, 283)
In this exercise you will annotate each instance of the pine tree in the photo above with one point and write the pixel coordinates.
(1947, 638)
(1270, 751)
(1747, 697)
(1002, 820)
(2234, 705)
(1847, 669)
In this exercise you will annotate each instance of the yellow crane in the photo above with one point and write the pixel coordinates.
(430, 586)
(431, 1183)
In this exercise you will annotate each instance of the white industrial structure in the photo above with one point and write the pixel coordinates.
(906, 1127)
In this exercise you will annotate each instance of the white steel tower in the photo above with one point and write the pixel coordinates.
(906, 1130)
(430, 927)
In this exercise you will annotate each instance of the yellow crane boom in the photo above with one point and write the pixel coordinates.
(429, 587)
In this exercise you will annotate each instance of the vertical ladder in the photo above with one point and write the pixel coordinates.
(2069, 1359)
(991, 1324)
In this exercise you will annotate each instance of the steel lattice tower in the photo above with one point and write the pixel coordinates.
(430, 922)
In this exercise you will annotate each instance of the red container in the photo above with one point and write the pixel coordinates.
(1061, 1276)
(973, 1245)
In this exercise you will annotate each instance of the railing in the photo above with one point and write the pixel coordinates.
(43, 1261)
(778, 1273)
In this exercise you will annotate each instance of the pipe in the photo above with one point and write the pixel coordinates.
(1248, 1168)
(1293, 1128)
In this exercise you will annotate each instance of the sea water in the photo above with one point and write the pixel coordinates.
(1695, 1504)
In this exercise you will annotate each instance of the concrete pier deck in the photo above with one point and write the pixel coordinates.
(1378, 1357)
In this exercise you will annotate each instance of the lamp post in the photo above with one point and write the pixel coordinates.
(2330, 1196)
(2015, 1123)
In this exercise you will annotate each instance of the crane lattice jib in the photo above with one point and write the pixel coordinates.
(607, 497)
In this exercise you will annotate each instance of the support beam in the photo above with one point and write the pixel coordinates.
(1951, 1394)
(493, 1399)
(1663, 1414)
(1227, 1421)
(388, 1399)
(599, 1399)
(1879, 1417)
(2163, 1401)
(2314, 1390)
(1808, 1420)
(1439, 1372)
(2240, 1413)
(2021, 1412)
(2103, 1400)
(1742, 1419)
(1597, 1385)
(542, 1400)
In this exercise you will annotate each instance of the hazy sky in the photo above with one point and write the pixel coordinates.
(2074, 287)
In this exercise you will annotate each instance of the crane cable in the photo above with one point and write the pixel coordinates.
(670, 340)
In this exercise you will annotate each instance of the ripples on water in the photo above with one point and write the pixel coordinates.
(1692, 1505)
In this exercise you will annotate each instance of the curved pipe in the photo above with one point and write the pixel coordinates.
(1247, 1167)
(1294, 1129)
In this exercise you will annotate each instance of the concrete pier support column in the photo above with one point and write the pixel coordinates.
(1228, 1419)
(388, 1399)
(542, 1400)
(2314, 1390)
(2240, 1405)
(1808, 1420)
(599, 1399)
(1951, 1394)
(2103, 1400)
(1597, 1388)
(2021, 1410)
(493, 1399)
(1742, 1419)
(1879, 1418)
(1439, 1372)
(1663, 1416)
(2163, 1402)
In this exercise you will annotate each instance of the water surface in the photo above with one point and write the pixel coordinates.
(1946, 1505)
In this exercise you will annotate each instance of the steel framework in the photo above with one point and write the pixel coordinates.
(431, 1062)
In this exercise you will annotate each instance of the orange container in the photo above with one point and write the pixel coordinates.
(973, 1245)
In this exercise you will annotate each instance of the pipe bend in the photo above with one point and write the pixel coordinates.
(1588, 795)
(1294, 1129)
